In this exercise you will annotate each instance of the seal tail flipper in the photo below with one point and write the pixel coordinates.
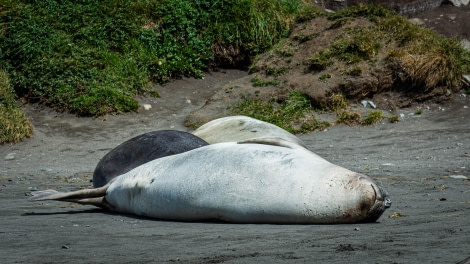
(68, 196)
(97, 201)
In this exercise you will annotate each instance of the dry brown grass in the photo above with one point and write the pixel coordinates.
(348, 118)
(428, 70)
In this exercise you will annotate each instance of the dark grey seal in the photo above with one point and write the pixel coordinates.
(142, 149)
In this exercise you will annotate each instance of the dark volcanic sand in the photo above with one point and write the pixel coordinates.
(421, 162)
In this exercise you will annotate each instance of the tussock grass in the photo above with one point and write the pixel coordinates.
(427, 59)
(14, 126)
(337, 101)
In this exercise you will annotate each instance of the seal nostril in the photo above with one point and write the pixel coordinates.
(387, 202)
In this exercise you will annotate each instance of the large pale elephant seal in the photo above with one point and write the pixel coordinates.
(239, 128)
(142, 149)
(253, 182)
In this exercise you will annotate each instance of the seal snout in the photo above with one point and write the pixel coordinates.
(387, 202)
(381, 201)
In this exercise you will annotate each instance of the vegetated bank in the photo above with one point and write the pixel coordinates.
(91, 57)
(364, 52)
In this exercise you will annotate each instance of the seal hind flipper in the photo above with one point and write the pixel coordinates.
(275, 141)
(44, 195)
(85, 196)
(97, 201)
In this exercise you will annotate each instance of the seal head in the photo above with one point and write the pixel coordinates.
(382, 202)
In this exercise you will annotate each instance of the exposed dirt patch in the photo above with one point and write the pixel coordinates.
(448, 20)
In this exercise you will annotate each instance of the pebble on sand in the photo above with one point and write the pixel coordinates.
(10, 156)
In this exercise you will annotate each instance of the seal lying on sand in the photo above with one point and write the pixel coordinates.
(238, 128)
(255, 181)
(142, 149)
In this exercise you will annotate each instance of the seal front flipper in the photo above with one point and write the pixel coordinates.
(274, 141)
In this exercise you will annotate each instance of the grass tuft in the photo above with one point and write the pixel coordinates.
(373, 118)
(14, 126)
(287, 114)
(348, 118)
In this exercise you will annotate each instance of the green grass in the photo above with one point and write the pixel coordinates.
(292, 114)
(356, 46)
(324, 76)
(394, 119)
(14, 126)
(258, 82)
(372, 118)
(93, 57)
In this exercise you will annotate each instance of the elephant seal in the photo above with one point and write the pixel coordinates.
(142, 149)
(239, 128)
(247, 182)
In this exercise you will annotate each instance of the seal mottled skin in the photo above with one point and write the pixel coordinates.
(257, 181)
(239, 128)
(142, 149)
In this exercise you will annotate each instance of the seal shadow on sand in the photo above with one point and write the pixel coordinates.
(137, 217)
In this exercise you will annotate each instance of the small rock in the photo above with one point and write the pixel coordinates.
(364, 103)
(357, 229)
(388, 164)
(417, 21)
(459, 177)
(33, 189)
(372, 104)
(10, 156)
(65, 246)
(396, 215)
(466, 44)
(46, 169)
(147, 106)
